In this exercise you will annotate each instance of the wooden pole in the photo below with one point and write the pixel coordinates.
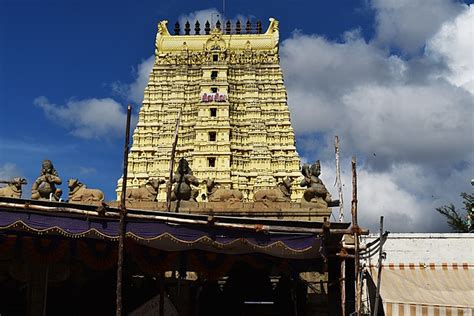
(162, 294)
(379, 273)
(338, 180)
(355, 230)
(341, 219)
(123, 213)
(173, 153)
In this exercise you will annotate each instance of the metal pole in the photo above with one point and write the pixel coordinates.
(379, 272)
(123, 212)
(355, 229)
(173, 153)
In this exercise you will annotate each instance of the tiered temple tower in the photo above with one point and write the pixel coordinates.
(235, 123)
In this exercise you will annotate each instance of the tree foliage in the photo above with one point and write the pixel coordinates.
(457, 220)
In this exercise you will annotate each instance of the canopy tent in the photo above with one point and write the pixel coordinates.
(169, 233)
(427, 289)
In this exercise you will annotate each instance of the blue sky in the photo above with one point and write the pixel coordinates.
(60, 60)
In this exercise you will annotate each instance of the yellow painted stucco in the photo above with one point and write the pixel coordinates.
(248, 135)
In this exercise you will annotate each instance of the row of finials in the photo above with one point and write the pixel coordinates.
(249, 28)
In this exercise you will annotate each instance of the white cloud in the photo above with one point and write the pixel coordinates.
(211, 15)
(454, 44)
(88, 118)
(8, 171)
(408, 24)
(134, 91)
(408, 119)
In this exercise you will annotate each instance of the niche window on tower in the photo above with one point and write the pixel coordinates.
(214, 89)
(215, 57)
(213, 112)
(214, 75)
(211, 161)
(212, 136)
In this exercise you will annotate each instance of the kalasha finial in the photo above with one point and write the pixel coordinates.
(237, 27)
(259, 27)
(207, 28)
(176, 28)
(227, 27)
(197, 28)
(187, 28)
(218, 25)
(248, 27)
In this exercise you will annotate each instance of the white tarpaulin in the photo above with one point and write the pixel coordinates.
(427, 289)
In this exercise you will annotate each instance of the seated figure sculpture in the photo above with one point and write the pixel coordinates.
(316, 195)
(183, 179)
(13, 190)
(44, 187)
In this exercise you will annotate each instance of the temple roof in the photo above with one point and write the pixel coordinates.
(216, 39)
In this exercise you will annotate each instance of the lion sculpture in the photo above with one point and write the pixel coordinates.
(78, 192)
(146, 192)
(316, 192)
(217, 194)
(281, 193)
(13, 189)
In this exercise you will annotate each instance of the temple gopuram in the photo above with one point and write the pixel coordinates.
(227, 85)
(214, 213)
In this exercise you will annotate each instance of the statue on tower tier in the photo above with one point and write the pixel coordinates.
(13, 190)
(316, 194)
(217, 194)
(183, 179)
(44, 186)
(281, 193)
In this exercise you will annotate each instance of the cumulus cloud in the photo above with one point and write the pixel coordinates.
(211, 15)
(408, 24)
(88, 118)
(134, 91)
(8, 171)
(408, 118)
(454, 45)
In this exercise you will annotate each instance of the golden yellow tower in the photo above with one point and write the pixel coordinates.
(235, 123)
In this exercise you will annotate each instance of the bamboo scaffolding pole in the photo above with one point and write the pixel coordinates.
(341, 219)
(379, 273)
(173, 153)
(123, 213)
(338, 179)
(355, 230)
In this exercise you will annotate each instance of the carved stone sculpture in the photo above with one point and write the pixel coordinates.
(282, 193)
(217, 194)
(78, 192)
(44, 186)
(183, 179)
(316, 193)
(13, 189)
(146, 192)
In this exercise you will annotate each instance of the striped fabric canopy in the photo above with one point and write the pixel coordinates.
(427, 289)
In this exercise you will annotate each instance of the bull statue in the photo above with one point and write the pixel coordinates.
(78, 192)
(146, 192)
(281, 193)
(217, 194)
(13, 188)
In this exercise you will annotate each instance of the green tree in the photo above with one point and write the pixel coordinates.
(456, 219)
